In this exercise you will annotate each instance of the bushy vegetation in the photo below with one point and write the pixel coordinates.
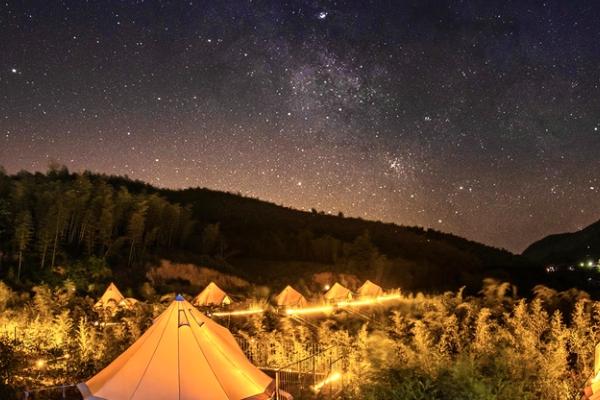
(493, 346)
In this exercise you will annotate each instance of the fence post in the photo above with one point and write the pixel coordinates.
(26, 394)
(328, 375)
(314, 370)
(64, 392)
(276, 385)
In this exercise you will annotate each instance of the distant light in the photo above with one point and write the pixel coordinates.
(323, 15)
(326, 287)
(590, 263)
(13, 70)
(40, 363)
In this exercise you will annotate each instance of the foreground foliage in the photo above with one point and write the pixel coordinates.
(424, 347)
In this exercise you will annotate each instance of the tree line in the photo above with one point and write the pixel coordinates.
(86, 226)
(48, 220)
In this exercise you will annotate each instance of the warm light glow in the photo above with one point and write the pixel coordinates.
(309, 310)
(388, 297)
(40, 363)
(239, 312)
(357, 303)
(333, 377)
(369, 301)
(342, 304)
(326, 287)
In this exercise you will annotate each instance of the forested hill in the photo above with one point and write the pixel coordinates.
(90, 227)
(572, 247)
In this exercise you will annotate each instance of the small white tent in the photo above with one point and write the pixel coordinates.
(369, 289)
(212, 295)
(113, 298)
(290, 297)
(338, 293)
(183, 355)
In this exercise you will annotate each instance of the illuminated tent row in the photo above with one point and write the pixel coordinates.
(183, 355)
(213, 295)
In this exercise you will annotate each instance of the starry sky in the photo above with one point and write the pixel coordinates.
(480, 118)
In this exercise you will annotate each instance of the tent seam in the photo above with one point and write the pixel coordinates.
(178, 350)
(208, 362)
(151, 358)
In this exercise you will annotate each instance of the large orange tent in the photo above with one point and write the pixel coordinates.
(113, 298)
(290, 297)
(338, 293)
(184, 355)
(369, 289)
(212, 295)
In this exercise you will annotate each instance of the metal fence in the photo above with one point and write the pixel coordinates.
(305, 372)
(320, 373)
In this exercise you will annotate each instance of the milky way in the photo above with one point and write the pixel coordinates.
(478, 118)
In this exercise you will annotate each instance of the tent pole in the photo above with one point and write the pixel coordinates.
(277, 381)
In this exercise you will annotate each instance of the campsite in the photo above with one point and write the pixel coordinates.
(299, 200)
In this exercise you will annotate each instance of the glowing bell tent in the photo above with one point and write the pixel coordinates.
(184, 355)
(113, 298)
(338, 293)
(290, 297)
(212, 295)
(369, 289)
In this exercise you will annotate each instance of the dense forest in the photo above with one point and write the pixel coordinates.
(90, 228)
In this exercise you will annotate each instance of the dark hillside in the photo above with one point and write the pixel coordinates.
(572, 247)
(60, 224)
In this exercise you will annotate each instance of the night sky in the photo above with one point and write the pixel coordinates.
(480, 118)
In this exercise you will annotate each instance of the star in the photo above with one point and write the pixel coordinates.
(289, 109)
